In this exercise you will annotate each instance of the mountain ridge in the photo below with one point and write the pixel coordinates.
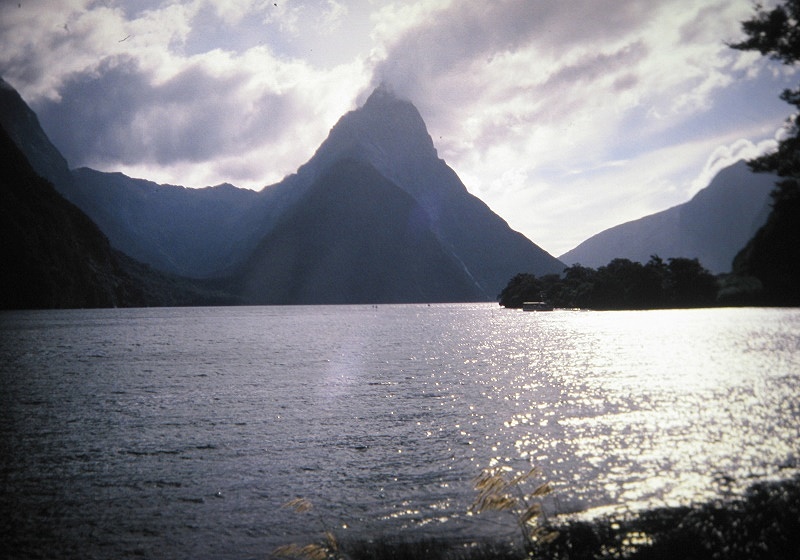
(712, 226)
(389, 133)
(219, 231)
(23, 128)
(55, 256)
(192, 232)
(211, 234)
(359, 218)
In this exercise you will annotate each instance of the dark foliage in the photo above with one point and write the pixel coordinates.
(621, 284)
(764, 524)
(521, 288)
(773, 255)
(432, 549)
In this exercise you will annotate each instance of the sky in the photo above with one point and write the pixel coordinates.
(566, 117)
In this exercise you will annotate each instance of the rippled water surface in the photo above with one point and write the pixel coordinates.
(179, 433)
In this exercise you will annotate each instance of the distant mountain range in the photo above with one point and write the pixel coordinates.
(375, 216)
(712, 227)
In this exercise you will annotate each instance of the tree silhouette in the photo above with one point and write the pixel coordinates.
(773, 255)
(621, 284)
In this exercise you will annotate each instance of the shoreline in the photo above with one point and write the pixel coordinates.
(762, 523)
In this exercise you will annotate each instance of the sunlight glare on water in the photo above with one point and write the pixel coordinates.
(649, 407)
(181, 432)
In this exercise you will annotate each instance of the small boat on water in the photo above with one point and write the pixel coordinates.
(536, 306)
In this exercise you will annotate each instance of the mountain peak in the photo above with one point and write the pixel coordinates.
(375, 191)
(386, 131)
(384, 98)
(389, 135)
(393, 122)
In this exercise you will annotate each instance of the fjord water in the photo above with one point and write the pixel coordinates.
(179, 433)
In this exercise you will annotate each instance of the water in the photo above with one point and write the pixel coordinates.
(179, 433)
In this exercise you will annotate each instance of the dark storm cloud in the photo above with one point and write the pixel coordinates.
(117, 114)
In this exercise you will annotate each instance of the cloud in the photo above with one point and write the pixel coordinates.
(209, 112)
(547, 89)
(44, 44)
(559, 78)
(726, 155)
(119, 90)
(581, 112)
(192, 116)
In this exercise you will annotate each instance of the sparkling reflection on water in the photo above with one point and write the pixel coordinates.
(180, 432)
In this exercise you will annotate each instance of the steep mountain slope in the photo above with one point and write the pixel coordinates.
(22, 126)
(389, 134)
(192, 232)
(712, 227)
(354, 237)
(209, 232)
(53, 256)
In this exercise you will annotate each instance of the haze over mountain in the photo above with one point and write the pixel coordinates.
(380, 153)
(270, 243)
(712, 227)
(326, 247)
(389, 134)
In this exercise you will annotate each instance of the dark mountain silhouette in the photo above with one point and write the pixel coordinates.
(389, 134)
(54, 256)
(354, 237)
(192, 232)
(211, 232)
(22, 126)
(712, 227)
